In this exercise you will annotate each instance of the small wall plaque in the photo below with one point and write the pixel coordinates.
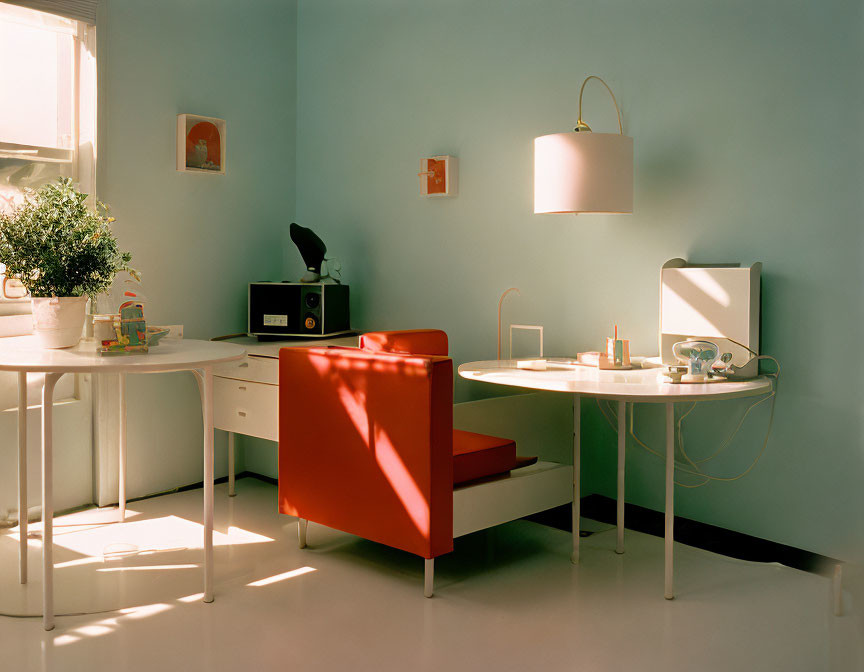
(200, 144)
(438, 176)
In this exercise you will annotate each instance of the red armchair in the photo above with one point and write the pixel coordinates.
(367, 446)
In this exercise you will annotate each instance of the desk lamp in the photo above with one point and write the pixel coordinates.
(583, 171)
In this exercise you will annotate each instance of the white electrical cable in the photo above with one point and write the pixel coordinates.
(645, 446)
(696, 471)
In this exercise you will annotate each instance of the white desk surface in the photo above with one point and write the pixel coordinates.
(257, 348)
(636, 385)
(23, 353)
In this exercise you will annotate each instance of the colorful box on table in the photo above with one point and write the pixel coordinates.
(131, 332)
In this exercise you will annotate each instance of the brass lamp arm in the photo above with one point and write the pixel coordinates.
(581, 125)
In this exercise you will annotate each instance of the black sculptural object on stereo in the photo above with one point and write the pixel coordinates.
(311, 248)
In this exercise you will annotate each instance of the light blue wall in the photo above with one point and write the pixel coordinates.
(199, 239)
(746, 119)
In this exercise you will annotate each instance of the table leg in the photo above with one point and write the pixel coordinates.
(22, 477)
(207, 408)
(837, 589)
(47, 501)
(669, 591)
(622, 443)
(231, 492)
(302, 526)
(121, 452)
(577, 457)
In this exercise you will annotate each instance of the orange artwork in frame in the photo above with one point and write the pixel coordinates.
(438, 176)
(200, 144)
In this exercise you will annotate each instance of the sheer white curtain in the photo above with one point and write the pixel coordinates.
(48, 124)
(47, 129)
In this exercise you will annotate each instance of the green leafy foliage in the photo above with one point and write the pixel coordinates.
(57, 246)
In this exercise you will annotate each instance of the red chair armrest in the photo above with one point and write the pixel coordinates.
(366, 445)
(406, 342)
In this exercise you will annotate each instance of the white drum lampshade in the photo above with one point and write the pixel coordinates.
(584, 171)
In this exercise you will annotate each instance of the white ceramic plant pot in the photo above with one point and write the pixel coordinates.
(58, 321)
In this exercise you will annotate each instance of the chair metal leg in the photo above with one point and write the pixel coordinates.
(429, 577)
(301, 532)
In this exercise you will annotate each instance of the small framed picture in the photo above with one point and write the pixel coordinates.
(200, 144)
(438, 176)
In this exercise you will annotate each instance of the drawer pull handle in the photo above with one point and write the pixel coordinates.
(242, 365)
(242, 414)
(242, 387)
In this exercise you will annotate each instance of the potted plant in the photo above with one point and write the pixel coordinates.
(63, 252)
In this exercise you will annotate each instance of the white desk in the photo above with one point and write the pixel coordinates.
(635, 386)
(246, 391)
(24, 355)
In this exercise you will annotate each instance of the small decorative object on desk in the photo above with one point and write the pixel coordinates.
(103, 327)
(532, 364)
(675, 373)
(616, 357)
(618, 351)
(537, 329)
(156, 334)
(131, 333)
(697, 356)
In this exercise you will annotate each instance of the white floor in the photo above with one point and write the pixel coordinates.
(506, 599)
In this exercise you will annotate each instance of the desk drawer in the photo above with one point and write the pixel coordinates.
(255, 369)
(246, 408)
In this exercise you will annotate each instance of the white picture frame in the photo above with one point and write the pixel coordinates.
(438, 176)
(201, 144)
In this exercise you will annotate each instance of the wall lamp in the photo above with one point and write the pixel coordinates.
(583, 171)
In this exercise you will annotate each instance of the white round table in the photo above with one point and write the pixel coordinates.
(25, 355)
(634, 386)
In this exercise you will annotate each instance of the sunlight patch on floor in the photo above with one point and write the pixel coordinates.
(168, 533)
(144, 568)
(281, 577)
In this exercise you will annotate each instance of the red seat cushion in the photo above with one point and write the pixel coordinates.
(474, 455)
(479, 455)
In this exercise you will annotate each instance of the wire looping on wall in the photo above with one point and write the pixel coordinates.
(694, 469)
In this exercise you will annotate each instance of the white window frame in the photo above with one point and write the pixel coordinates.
(14, 312)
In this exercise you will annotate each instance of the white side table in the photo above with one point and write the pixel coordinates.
(246, 391)
(24, 355)
(635, 386)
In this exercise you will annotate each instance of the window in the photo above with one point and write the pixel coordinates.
(48, 120)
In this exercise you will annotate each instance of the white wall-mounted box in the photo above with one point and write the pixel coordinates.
(720, 303)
